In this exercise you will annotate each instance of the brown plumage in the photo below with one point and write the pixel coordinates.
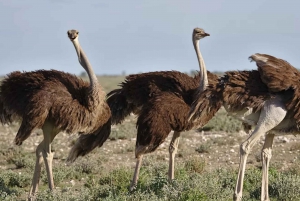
(267, 99)
(137, 89)
(156, 93)
(236, 89)
(165, 110)
(162, 102)
(56, 101)
(276, 73)
(43, 95)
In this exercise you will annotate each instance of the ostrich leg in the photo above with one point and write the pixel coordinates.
(37, 172)
(136, 172)
(245, 149)
(271, 115)
(49, 133)
(266, 155)
(173, 150)
(24, 131)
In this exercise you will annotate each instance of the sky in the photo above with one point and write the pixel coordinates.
(140, 36)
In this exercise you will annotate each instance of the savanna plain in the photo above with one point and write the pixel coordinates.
(205, 166)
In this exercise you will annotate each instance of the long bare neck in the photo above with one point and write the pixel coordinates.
(203, 72)
(84, 62)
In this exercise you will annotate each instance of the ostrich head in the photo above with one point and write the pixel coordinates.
(73, 34)
(199, 33)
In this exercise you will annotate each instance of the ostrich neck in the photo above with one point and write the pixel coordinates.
(203, 72)
(83, 60)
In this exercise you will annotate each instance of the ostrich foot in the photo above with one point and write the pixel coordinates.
(237, 197)
(132, 187)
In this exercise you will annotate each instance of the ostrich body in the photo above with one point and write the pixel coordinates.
(56, 101)
(162, 102)
(267, 99)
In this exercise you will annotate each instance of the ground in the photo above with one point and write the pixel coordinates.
(219, 149)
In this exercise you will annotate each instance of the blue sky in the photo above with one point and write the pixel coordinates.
(142, 36)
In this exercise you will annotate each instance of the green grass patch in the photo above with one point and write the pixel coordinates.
(223, 122)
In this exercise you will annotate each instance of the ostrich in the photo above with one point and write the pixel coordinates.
(56, 101)
(162, 102)
(267, 98)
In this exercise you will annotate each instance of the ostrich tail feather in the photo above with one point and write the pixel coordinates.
(88, 142)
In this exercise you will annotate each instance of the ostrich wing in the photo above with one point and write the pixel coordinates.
(276, 73)
(280, 76)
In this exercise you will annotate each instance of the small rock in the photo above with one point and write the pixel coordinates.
(72, 182)
(283, 139)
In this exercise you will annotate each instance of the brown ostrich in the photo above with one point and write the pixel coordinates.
(162, 102)
(56, 101)
(267, 99)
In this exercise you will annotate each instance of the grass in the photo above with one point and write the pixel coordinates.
(126, 130)
(192, 183)
(204, 148)
(222, 122)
